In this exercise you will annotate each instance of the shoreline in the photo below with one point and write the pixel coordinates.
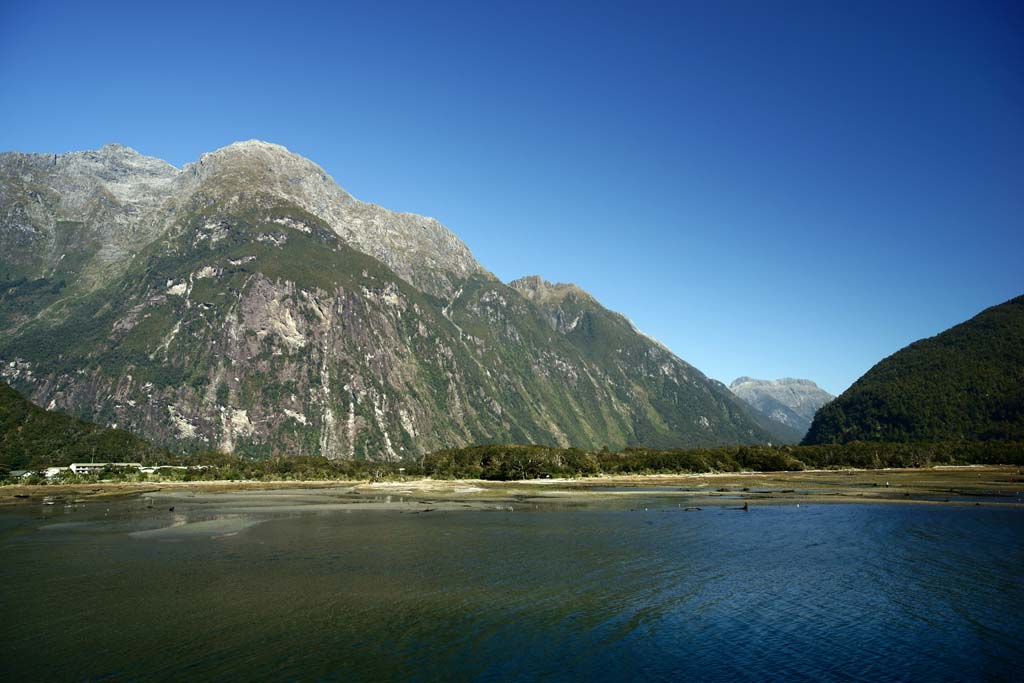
(1001, 485)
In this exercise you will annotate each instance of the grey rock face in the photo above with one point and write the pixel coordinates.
(792, 402)
(119, 200)
(550, 297)
(418, 248)
(246, 302)
(103, 205)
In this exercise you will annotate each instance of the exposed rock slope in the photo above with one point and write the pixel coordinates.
(787, 401)
(113, 201)
(246, 302)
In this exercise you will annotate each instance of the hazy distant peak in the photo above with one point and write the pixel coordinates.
(791, 381)
(789, 401)
(784, 381)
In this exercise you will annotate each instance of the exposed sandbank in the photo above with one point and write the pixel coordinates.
(985, 485)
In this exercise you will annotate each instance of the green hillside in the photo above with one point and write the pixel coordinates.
(33, 437)
(965, 384)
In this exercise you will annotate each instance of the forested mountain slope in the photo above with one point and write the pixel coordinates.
(31, 436)
(966, 383)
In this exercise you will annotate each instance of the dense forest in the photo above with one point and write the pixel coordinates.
(527, 462)
(965, 384)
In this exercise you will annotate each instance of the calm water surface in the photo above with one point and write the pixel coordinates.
(236, 588)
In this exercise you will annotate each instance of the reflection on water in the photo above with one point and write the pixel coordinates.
(309, 585)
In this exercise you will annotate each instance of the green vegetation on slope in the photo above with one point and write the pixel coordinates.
(250, 304)
(680, 406)
(962, 385)
(33, 437)
(194, 330)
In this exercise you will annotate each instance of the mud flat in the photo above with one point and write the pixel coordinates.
(975, 485)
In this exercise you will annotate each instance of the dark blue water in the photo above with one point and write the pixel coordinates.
(834, 592)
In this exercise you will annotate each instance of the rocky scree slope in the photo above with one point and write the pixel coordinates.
(789, 402)
(248, 303)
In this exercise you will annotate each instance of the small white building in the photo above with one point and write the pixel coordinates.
(153, 469)
(51, 472)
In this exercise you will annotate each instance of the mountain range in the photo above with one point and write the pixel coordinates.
(246, 302)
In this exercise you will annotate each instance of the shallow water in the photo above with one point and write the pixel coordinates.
(310, 586)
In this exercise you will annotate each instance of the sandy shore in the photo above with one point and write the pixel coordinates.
(984, 485)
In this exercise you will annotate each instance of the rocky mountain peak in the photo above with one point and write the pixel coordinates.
(124, 200)
(540, 291)
(257, 154)
(255, 165)
(782, 382)
(255, 145)
(530, 283)
(115, 149)
(420, 249)
(123, 171)
(795, 382)
(103, 205)
(790, 401)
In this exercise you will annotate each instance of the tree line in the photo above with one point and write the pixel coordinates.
(526, 461)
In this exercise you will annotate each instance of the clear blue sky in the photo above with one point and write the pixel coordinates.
(769, 188)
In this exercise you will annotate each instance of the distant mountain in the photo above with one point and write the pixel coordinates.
(246, 302)
(789, 402)
(966, 383)
(31, 436)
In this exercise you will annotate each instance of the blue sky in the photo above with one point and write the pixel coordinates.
(770, 188)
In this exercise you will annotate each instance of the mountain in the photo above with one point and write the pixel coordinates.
(246, 302)
(31, 436)
(101, 208)
(789, 402)
(966, 383)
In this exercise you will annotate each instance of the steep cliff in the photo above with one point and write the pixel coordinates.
(248, 303)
